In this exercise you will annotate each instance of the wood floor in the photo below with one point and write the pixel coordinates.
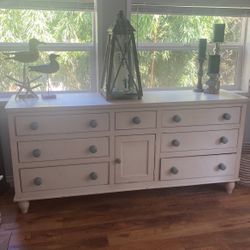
(197, 218)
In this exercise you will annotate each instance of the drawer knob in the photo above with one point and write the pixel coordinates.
(93, 124)
(93, 149)
(176, 118)
(176, 143)
(118, 161)
(174, 170)
(38, 181)
(227, 116)
(224, 140)
(34, 126)
(93, 176)
(136, 120)
(36, 153)
(222, 167)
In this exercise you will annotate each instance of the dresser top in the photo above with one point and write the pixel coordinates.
(150, 98)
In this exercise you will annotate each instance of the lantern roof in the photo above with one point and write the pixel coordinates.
(122, 25)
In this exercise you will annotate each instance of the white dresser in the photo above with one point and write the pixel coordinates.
(81, 144)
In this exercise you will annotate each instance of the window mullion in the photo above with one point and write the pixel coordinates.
(48, 47)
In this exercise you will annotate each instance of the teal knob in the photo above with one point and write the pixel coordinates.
(93, 149)
(93, 124)
(176, 118)
(224, 140)
(34, 126)
(38, 181)
(222, 167)
(174, 170)
(176, 143)
(136, 120)
(227, 116)
(36, 153)
(93, 176)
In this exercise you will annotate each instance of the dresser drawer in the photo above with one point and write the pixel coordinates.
(38, 179)
(188, 141)
(199, 117)
(134, 120)
(49, 150)
(197, 167)
(56, 124)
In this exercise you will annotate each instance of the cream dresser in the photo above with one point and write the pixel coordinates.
(81, 144)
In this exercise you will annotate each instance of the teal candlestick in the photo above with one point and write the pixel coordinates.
(214, 64)
(202, 48)
(219, 33)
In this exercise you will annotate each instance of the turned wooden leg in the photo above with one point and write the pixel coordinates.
(230, 187)
(24, 206)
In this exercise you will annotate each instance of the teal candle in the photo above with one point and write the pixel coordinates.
(214, 64)
(202, 48)
(219, 33)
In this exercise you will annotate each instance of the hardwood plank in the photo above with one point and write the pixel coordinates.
(187, 218)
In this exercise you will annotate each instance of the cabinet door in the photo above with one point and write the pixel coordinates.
(134, 158)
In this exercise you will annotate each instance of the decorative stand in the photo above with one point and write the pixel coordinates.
(48, 94)
(48, 68)
(29, 56)
(25, 88)
(199, 87)
(201, 59)
(213, 84)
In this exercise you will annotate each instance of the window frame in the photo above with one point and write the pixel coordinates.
(238, 85)
(104, 17)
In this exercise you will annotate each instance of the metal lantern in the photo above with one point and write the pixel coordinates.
(121, 76)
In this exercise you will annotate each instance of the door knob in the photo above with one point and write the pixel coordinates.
(224, 140)
(222, 167)
(38, 181)
(93, 149)
(174, 170)
(136, 120)
(34, 126)
(36, 153)
(176, 143)
(176, 118)
(227, 116)
(93, 124)
(118, 161)
(93, 176)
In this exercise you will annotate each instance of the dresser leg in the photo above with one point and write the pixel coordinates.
(230, 187)
(24, 206)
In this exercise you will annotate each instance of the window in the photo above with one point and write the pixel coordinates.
(67, 29)
(168, 38)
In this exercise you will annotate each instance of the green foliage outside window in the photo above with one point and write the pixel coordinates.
(50, 27)
(178, 68)
(159, 68)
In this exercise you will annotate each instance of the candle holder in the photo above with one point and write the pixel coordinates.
(199, 87)
(217, 48)
(201, 59)
(213, 84)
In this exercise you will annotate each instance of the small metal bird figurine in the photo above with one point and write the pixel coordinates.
(50, 68)
(26, 56)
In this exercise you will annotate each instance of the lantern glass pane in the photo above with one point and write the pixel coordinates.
(122, 77)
